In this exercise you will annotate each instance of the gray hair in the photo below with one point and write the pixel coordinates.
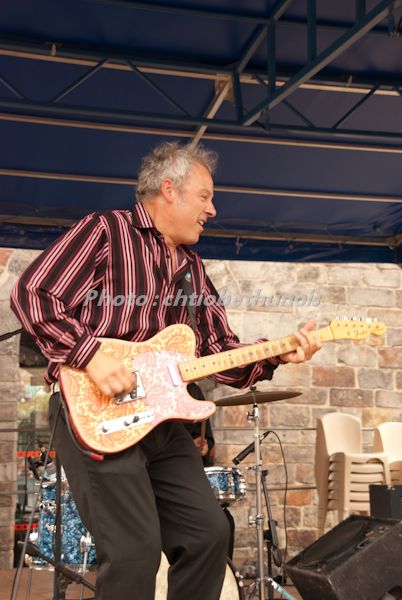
(171, 160)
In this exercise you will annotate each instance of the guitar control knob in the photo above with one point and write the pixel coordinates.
(105, 428)
(133, 395)
(129, 421)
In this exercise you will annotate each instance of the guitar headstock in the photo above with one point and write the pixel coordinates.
(355, 328)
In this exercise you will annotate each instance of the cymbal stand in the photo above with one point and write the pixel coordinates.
(269, 535)
(258, 520)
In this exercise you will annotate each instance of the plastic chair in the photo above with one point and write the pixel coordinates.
(343, 471)
(388, 439)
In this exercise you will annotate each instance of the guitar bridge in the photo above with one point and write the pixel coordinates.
(136, 394)
(126, 422)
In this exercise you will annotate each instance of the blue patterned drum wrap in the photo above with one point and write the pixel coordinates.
(227, 483)
(72, 528)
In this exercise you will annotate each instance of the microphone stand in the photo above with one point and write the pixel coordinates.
(270, 536)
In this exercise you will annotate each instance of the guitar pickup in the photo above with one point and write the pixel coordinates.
(136, 394)
(126, 422)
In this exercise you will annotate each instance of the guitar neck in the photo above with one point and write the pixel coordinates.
(239, 357)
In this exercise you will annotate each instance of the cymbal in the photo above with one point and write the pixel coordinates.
(256, 397)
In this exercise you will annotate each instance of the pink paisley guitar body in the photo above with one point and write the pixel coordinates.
(105, 425)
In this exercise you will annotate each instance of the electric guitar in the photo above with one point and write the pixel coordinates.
(164, 365)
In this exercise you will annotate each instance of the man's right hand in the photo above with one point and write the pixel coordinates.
(109, 374)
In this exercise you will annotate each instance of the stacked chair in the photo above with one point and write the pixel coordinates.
(343, 471)
(388, 439)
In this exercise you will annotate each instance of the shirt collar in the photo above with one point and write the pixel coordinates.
(142, 220)
(141, 217)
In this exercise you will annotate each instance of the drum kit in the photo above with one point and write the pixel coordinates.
(76, 548)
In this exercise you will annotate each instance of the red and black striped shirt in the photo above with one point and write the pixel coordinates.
(111, 275)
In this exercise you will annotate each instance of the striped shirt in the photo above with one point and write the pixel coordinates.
(111, 275)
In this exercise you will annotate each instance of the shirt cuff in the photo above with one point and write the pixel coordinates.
(83, 351)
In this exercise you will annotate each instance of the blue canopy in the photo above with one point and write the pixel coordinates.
(301, 99)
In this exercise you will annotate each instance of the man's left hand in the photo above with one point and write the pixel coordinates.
(308, 345)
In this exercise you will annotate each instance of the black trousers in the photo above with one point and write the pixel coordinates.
(153, 496)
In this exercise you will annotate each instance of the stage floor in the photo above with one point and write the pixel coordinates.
(42, 586)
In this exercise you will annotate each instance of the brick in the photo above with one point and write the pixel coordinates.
(310, 516)
(7, 451)
(399, 298)
(348, 397)
(9, 366)
(290, 416)
(399, 380)
(6, 559)
(394, 337)
(357, 355)
(382, 278)
(6, 515)
(5, 254)
(293, 517)
(388, 316)
(7, 435)
(388, 399)
(8, 411)
(298, 539)
(299, 497)
(293, 375)
(305, 473)
(309, 273)
(374, 378)
(373, 297)
(245, 537)
(333, 376)
(271, 453)
(390, 357)
(8, 472)
(234, 415)
(374, 416)
(299, 454)
(327, 355)
(219, 272)
(345, 275)
(312, 396)
(20, 260)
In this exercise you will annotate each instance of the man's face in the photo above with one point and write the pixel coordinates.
(193, 205)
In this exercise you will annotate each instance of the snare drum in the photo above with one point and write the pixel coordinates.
(227, 483)
(231, 589)
(72, 528)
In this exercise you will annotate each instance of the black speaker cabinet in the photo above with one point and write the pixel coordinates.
(359, 559)
(386, 501)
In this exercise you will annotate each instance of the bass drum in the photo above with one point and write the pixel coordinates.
(230, 590)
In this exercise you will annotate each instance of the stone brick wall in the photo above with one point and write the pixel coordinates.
(8, 378)
(362, 378)
(275, 299)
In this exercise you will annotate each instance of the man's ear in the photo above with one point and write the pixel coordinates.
(167, 190)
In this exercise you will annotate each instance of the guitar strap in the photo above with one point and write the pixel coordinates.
(188, 289)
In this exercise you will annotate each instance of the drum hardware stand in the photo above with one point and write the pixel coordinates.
(258, 519)
(24, 545)
(63, 575)
(269, 535)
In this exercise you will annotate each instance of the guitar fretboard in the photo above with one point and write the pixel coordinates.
(215, 363)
